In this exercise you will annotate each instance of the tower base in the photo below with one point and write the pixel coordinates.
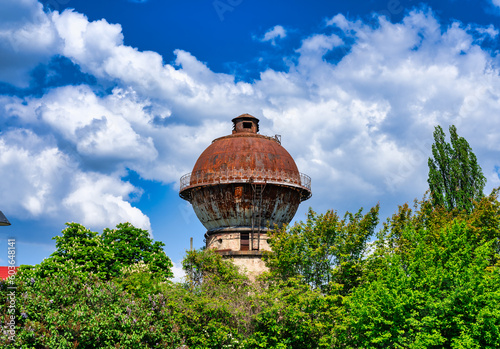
(242, 246)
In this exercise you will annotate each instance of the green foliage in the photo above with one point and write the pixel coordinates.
(219, 318)
(205, 268)
(85, 252)
(323, 250)
(216, 305)
(139, 280)
(295, 316)
(131, 245)
(430, 280)
(70, 311)
(81, 250)
(455, 178)
(434, 282)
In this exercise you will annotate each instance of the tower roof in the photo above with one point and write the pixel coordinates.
(245, 123)
(246, 117)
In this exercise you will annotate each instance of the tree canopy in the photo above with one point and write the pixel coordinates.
(455, 178)
(325, 249)
(431, 279)
(106, 255)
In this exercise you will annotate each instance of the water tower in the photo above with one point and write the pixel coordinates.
(242, 186)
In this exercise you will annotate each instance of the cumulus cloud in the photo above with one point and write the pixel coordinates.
(38, 179)
(489, 32)
(188, 87)
(100, 200)
(98, 127)
(363, 126)
(27, 38)
(30, 168)
(356, 110)
(496, 2)
(277, 32)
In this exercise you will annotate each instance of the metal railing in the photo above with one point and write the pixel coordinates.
(305, 181)
(248, 175)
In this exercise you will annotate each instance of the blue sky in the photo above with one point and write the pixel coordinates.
(105, 104)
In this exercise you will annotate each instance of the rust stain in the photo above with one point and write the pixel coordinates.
(238, 192)
(217, 206)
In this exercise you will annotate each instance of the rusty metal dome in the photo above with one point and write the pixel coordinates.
(245, 156)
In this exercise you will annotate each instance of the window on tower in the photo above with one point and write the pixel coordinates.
(244, 242)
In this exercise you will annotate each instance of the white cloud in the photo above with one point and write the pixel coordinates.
(277, 32)
(189, 87)
(363, 126)
(100, 200)
(319, 43)
(496, 2)
(27, 38)
(339, 21)
(99, 127)
(179, 273)
(105, 133)
(486, 32)
(39, 181)
(30, 168)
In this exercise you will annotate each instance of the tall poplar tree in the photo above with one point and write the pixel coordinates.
(455, 178)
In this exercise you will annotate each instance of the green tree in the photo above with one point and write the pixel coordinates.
(293, 315)
(432, 282)
(215, 310)
(80, 250)
(323, 250)
(455, 178)
(106, 255)
(206, 268)
(131, 245)
(444, 294)
(70, 310)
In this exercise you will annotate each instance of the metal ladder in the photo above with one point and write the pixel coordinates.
(256, 214)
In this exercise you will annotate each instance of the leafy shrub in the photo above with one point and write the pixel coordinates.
(68, 311)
